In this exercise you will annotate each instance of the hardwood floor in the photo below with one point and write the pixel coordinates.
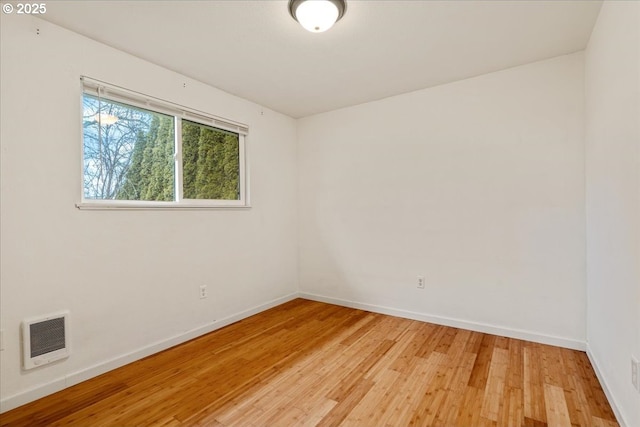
(308, 363)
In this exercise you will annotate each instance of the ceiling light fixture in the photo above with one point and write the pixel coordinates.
(317, 16)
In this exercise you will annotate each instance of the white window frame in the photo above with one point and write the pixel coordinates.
(114, 93)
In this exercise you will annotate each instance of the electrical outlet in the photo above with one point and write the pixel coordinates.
(420, 282)
(635, 372)
(203, 291)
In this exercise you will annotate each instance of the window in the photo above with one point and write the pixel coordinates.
(141, 152)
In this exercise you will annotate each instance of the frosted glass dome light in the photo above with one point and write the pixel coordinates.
(317, 16)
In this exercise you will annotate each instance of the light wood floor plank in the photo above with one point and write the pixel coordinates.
(409, 406)
(375, 403)
(494, 391)
(557, 411)
(534, 404)
(306, 363)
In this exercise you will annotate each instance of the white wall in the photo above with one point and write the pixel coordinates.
(129, 278)
(612, 79)
(478, 185)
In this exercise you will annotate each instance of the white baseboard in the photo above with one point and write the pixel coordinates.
(456, 323)
(74, 378)
(605, 387)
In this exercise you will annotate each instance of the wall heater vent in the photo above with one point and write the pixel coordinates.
(45, 340)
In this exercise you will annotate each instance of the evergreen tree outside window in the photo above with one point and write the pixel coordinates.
(134, 154)
(210, 162)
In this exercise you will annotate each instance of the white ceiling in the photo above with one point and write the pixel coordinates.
(255, 50)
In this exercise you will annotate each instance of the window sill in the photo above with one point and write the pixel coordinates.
(134, 206)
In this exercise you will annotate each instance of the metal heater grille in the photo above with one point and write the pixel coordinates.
(47, 336)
